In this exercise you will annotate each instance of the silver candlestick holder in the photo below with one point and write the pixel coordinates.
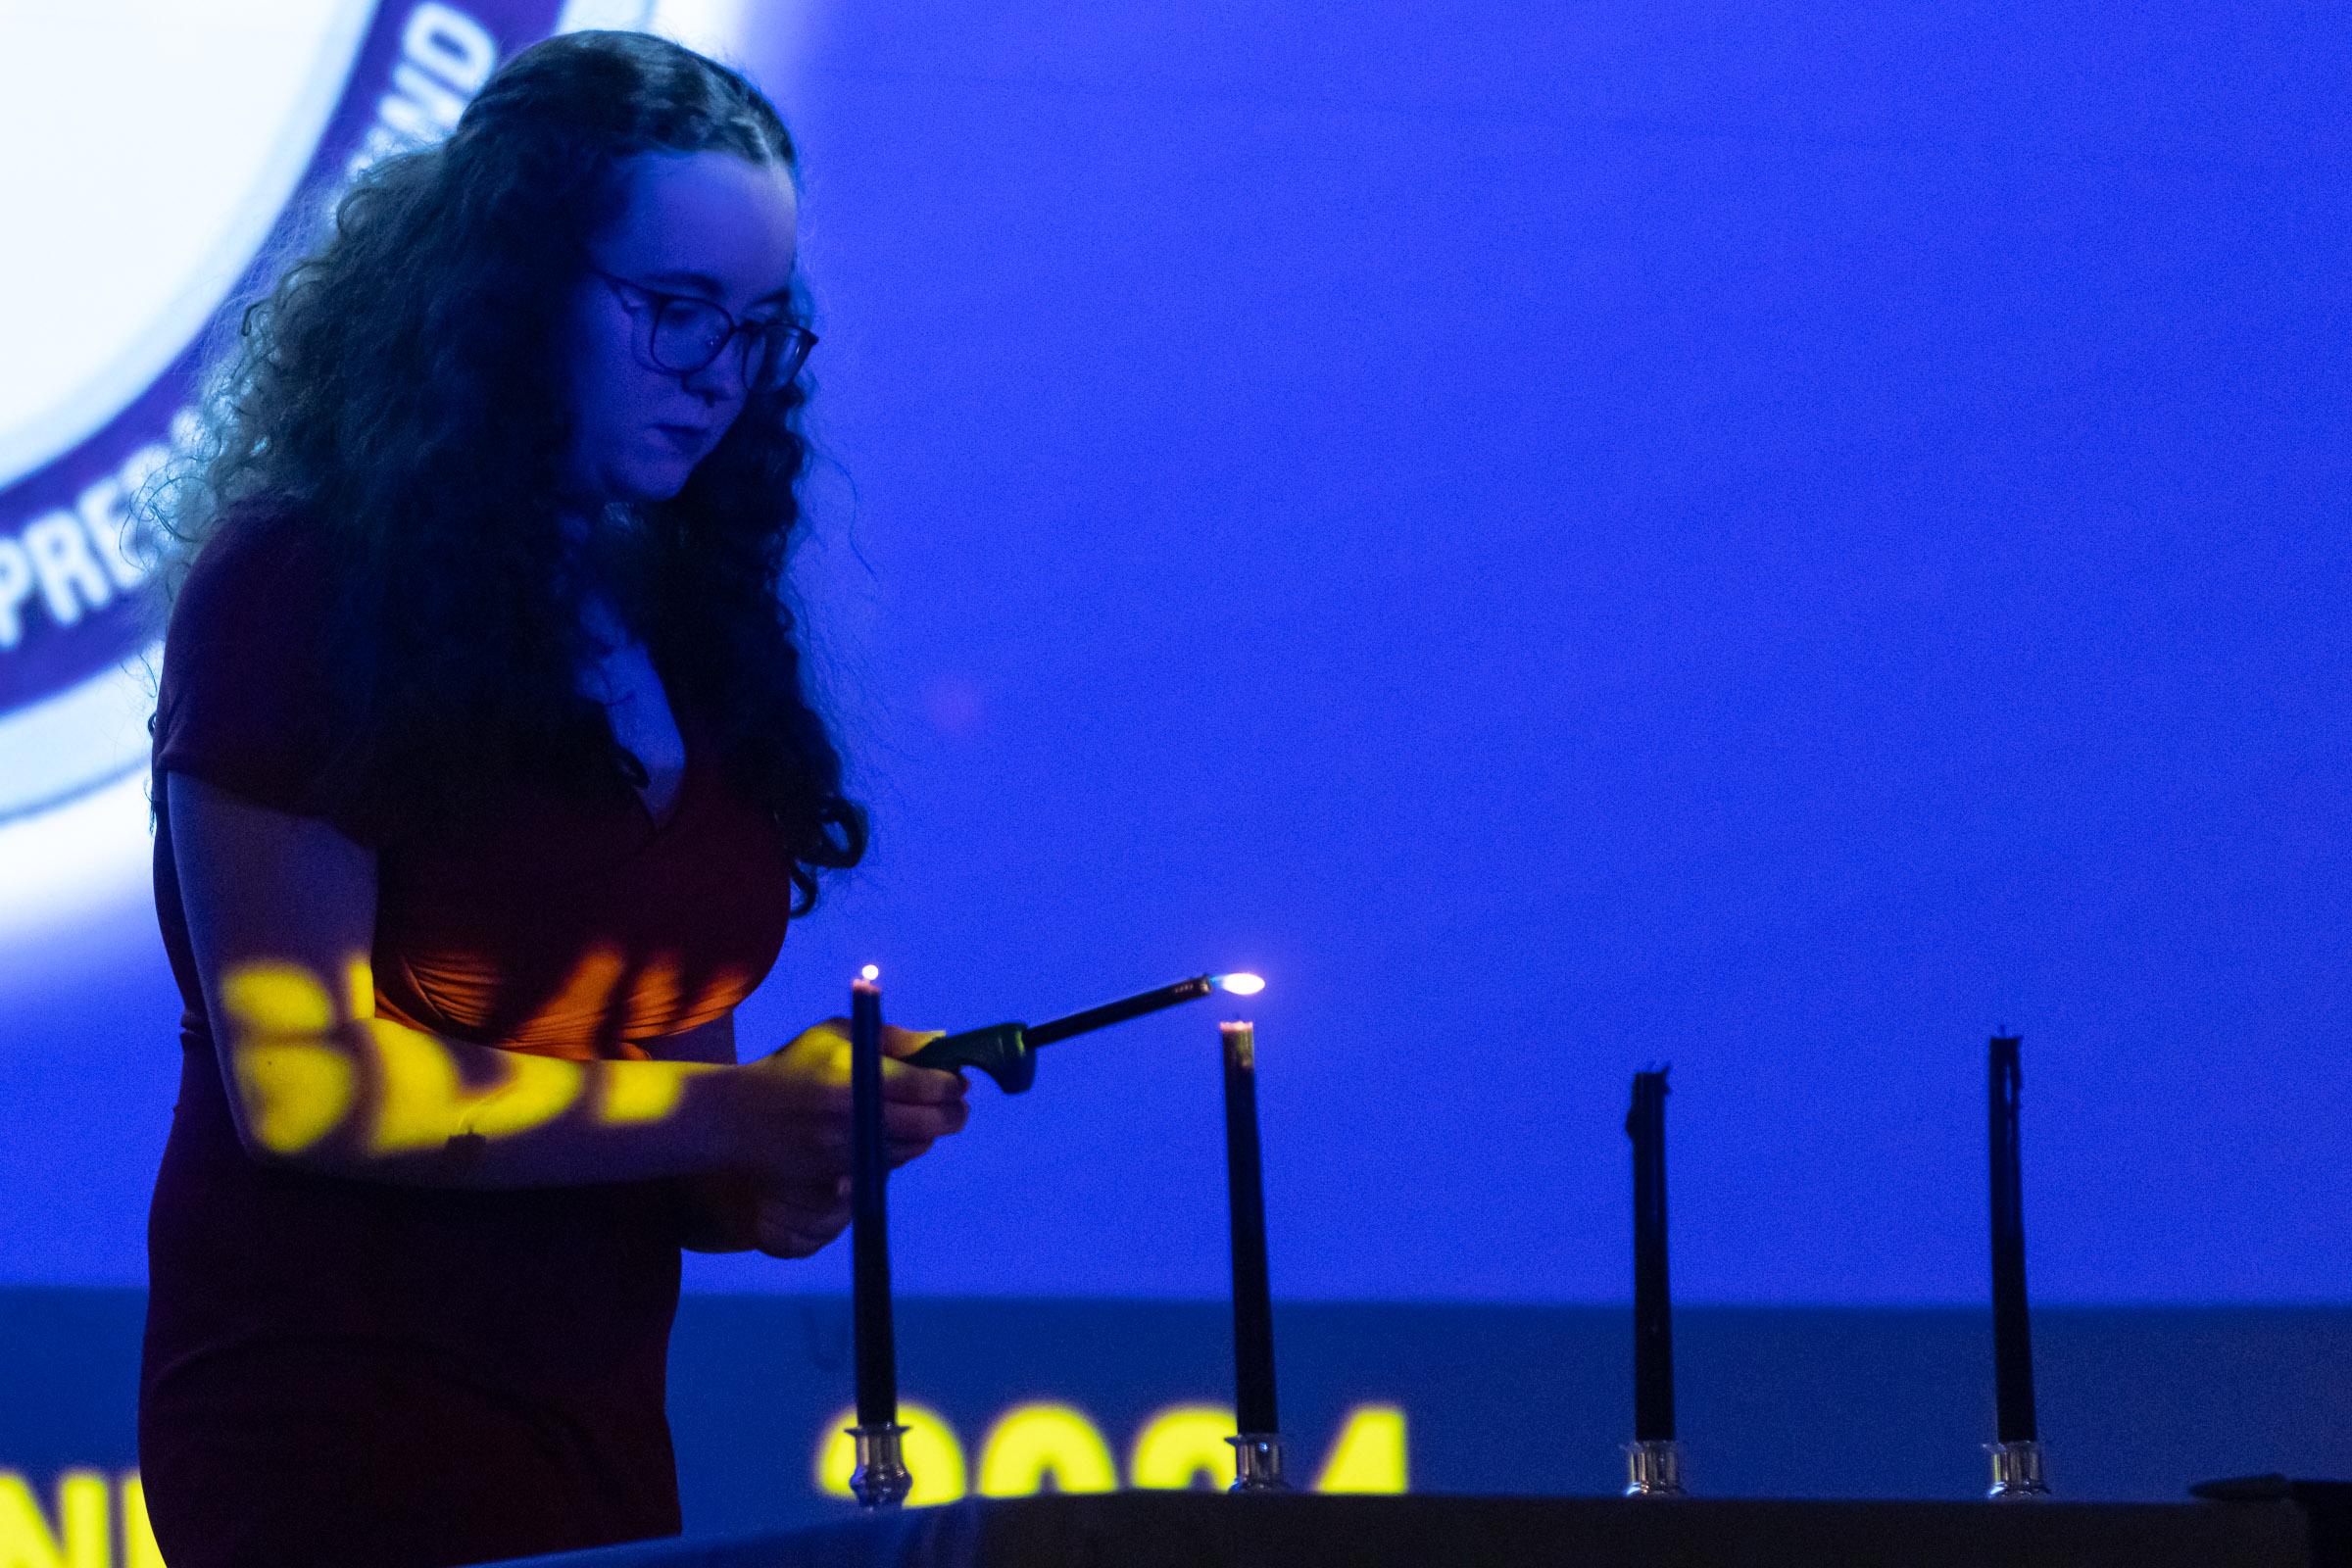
(1258, 1462)
(2016, 1470)
(881, 1479)
(1653, 1468)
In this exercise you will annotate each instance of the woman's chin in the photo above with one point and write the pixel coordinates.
(641, 484)
(651, 491)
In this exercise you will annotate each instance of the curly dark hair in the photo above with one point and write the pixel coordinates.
(397, 392)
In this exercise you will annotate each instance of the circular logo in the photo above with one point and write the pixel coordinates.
(209, 156)
(144, 198)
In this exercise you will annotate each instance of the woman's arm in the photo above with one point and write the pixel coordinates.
(717, 1206)
(282, 917)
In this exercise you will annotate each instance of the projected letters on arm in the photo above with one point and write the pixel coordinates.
(299, 1081)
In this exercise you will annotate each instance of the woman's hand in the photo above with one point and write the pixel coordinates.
(791, 1114)
(797, 1223)
(727, 1212)
(786, 1190)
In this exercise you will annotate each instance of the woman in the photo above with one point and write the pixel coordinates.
(484, 787)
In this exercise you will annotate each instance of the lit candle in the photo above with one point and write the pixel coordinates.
(1653, 1302)
(2016, 1460)
(869, 1171)
(1253, 1295)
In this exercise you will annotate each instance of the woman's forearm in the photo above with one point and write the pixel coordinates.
(717, 1212)
(323, 1085)
(280, 913)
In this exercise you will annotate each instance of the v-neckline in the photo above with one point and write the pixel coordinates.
(659, 825)
(604, 620)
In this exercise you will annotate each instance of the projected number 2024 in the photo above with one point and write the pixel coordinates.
(94, 1522)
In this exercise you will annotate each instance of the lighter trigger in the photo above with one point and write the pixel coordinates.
(1002, 1050)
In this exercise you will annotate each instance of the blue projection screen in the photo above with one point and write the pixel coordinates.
(1568, 538)
(1777, 540)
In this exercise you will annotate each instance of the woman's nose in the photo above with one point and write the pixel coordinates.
(722, 379)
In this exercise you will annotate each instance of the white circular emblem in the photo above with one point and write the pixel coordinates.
(169, 152)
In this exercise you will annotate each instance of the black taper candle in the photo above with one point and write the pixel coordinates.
(1244, 1187)
(1653, 1304)
(2012, 1344)
(869, 1243)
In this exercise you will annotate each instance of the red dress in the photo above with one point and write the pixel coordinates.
(355, 1373)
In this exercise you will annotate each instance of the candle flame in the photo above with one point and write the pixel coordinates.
(1241, 985)
(873, 971)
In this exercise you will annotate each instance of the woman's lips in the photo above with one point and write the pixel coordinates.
(688, 439)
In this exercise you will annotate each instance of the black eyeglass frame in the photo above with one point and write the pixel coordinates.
(794, 352)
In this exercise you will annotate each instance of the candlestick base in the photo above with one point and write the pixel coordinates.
(2016, 1470)
(1653, 1468)
(881, 1479)
(1258, 1463)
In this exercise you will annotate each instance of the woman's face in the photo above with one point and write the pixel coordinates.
(702, 226)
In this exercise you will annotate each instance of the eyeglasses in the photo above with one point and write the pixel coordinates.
(681, 334)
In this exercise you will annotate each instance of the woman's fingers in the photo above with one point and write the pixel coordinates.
(796, 1222)
(802, 1209)
(921, 1085)
(797, 1105)
(828, 1136)
(906, 1123)
(805, 1142)
(897, 1042)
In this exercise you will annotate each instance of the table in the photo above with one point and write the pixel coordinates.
(1211, 1530)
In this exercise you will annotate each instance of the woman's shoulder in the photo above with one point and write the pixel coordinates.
(255, 608)
(264, 571)
(268, 535)
(243, 702)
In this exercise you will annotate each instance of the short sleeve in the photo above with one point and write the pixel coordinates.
(242, 701)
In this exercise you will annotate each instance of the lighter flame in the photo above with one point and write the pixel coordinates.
(873, 971)
(1241, 985)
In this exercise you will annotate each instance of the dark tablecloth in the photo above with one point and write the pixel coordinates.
(1206, 1530)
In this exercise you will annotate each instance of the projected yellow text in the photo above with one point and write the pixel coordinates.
(1033, 1447)
(83, 1528)
(306, 1064)
(91, 1522)
(1033, 1441)
(1183, 1445)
